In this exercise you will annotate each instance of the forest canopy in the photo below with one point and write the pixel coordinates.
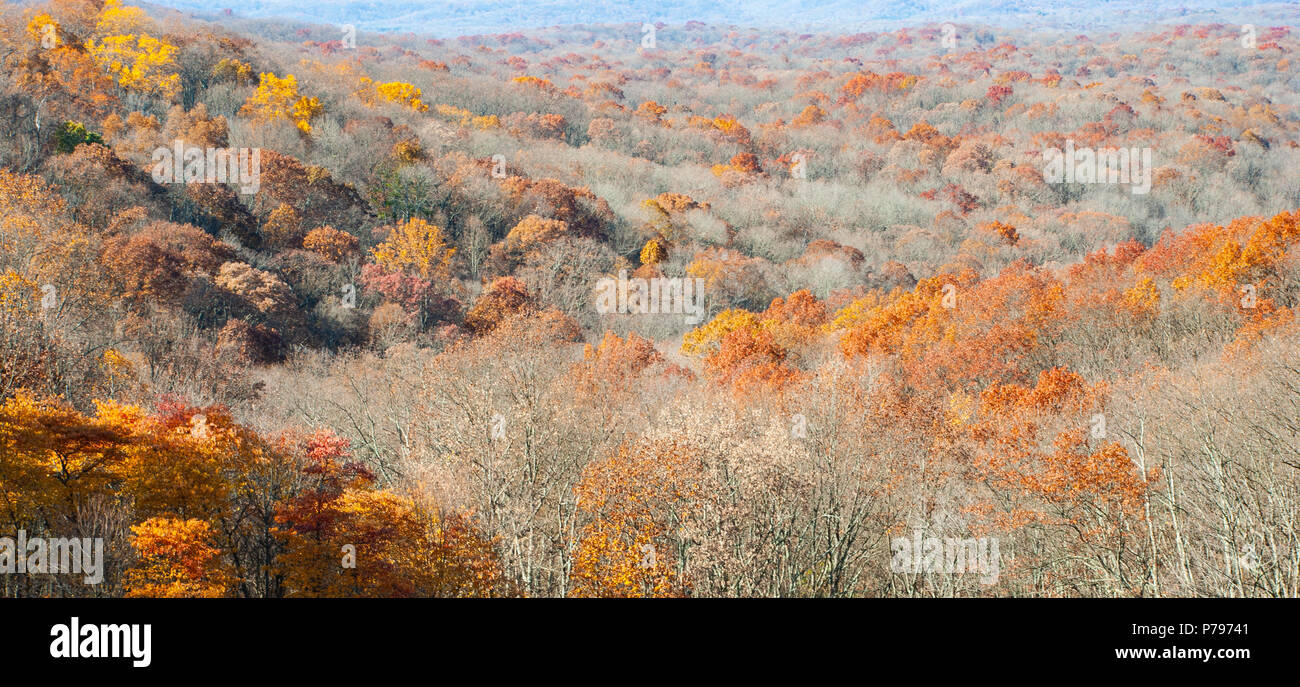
(846, 306)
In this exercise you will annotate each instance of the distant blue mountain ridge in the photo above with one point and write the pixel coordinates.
(450, 18)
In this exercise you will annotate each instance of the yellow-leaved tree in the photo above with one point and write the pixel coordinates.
(278, 98)
(400, 92)
(417, 247)
(116, 19)
(139, 61)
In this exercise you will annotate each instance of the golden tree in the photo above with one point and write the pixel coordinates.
(416, 247)
(278, 98)
(178, 559)
(399, 92)
(633, 498)
(139, 61)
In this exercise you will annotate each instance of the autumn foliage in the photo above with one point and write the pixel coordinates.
(559, 314)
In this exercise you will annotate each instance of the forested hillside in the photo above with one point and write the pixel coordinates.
(676, 309)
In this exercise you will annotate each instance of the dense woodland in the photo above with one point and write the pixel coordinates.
(392, 346)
